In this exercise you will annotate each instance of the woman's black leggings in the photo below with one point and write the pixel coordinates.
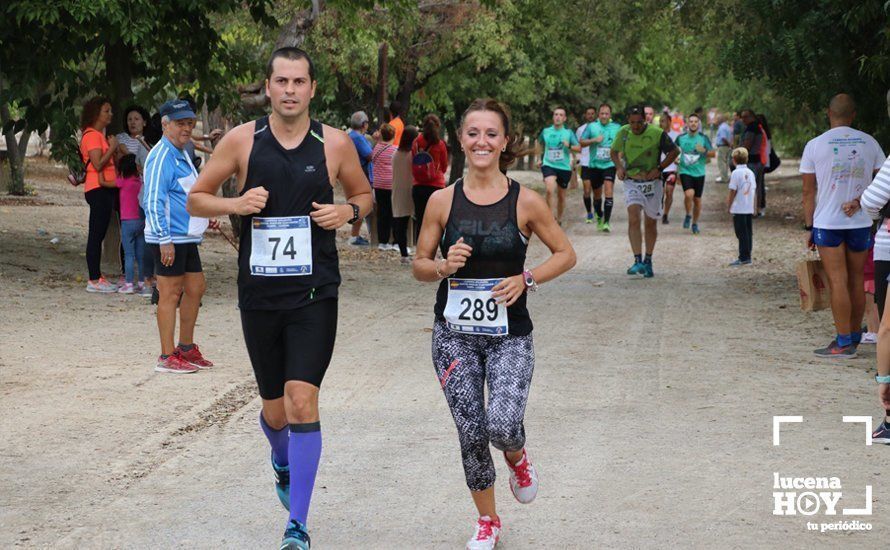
(421, 195)
(465, 364)
(384, 214)
(882, 271)
(400, 233)
(101, 201)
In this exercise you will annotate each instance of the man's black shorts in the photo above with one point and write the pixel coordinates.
(692, 182)
(563, 177)
(290, 344)
(186, 259)
(598, 176)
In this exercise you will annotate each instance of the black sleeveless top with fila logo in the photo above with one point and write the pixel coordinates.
(294, 178)
(499, 248)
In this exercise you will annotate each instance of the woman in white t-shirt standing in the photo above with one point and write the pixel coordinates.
(742, 191)
(836, 167)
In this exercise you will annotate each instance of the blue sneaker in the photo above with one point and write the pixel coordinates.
(589, 218)
(882, 434)
(738, 263)
(686, 221)
(647, 270)
(695, 230)
(282, 483)
(359, 241)
(639, 268)
(295, 537)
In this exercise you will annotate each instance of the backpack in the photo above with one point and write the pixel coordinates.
(423, 167)
(77, 174)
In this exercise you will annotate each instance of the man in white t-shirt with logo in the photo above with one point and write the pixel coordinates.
(836, 168)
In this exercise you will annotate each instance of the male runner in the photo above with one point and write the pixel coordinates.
(669, 174)
(695, 148)
(584, 160)
(641, 145)
(288, 277)
(649, 113)
(600, 135)
(558, 143)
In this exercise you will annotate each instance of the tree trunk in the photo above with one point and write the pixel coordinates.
(382, 80)
(119, 75)
(14, 156)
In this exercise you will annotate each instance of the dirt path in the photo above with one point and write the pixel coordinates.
(650, 417)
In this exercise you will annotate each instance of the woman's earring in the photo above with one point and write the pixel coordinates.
(504, 150)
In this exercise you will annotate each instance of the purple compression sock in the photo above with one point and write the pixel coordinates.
(304, 452)
(278, 441)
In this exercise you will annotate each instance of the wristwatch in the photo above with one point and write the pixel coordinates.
(355, 213)
(530, 284)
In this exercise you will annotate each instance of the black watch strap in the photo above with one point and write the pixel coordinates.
(355, 213)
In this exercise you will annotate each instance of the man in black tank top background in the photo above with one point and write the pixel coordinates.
(288, 279)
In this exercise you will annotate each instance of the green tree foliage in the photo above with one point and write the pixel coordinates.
(809, 50)
(55, 54)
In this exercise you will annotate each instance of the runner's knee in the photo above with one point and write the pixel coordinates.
(301, 402)
(506, 435)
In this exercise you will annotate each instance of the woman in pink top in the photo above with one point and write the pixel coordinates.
(381, 158)
(132, 226)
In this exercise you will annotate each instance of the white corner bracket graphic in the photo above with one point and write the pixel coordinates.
(861, 511)
(864, 420)
(779, 420)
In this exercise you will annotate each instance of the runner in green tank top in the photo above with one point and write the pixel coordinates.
(600, 135)
(558, 143)
(695, 148)
(636, 152)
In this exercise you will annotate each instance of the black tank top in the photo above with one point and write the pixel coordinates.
(498, 248)
(294, 179)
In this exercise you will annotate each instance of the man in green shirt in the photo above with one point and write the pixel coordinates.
(599, 136)
(558, 142)
(641, 146)
(695, 148)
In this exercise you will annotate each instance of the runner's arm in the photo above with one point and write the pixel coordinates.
(730, 198)
(355, 184)
(203, 200)
(425, 266)
(543, 224)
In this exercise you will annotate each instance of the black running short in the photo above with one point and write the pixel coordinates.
(697, 184)
(290, 344)
(669, 178)
(599, 176)
(186, 259)
(563, 177)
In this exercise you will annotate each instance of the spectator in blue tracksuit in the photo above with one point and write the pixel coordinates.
(173, 238)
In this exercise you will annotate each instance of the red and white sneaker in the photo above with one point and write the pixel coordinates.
(173, 363)
(523, 479)
(487, 534)
(194, 357)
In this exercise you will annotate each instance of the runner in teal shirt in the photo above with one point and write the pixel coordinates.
(695, 148)
(556, 167)
(599, 136)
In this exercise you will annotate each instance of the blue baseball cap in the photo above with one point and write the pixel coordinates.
(176, 109)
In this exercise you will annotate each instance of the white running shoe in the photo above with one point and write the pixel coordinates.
(382, 246)
(487, 534)
(869, 338)
(523, 479)
(101, 285)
